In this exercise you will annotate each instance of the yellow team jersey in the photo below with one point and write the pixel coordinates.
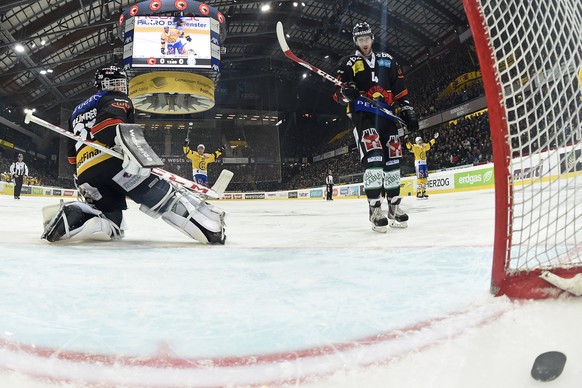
(420, 151)
(200, 162)
(171, 36)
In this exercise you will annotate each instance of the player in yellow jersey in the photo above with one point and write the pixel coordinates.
(419, 150)
(201, 160)
(171, 38)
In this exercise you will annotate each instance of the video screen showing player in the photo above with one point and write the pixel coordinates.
(174, 39)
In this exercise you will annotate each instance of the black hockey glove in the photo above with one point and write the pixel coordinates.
(186, 142)
(163, 50)
(409, 116)
(188, 38)
(222, 148)
(350, 92)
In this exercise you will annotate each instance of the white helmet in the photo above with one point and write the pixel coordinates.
(418, 140)
(201, 146)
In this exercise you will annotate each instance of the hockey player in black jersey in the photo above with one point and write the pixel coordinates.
(376, 76)
(105, 181)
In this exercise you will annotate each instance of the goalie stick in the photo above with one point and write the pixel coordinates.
(289, 54)
(215, 192)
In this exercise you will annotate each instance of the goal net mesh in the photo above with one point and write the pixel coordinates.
(536, 51)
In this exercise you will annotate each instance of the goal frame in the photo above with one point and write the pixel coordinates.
(518, 284)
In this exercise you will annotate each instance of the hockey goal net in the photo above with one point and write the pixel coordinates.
(530, 56)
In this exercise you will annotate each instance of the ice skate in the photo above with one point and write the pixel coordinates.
(378, 219)
(421, 195)
(396, 216)
(52, 215)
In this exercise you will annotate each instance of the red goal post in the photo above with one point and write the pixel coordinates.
(530, 54)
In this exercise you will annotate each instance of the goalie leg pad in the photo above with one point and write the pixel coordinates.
(186, 212)
(76, 221)
(196, 218)
(155, 200)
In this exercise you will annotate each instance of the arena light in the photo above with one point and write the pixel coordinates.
(265, 7)
(19, 48)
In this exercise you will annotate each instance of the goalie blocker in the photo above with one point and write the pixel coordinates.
(138, 157)
(180, 208)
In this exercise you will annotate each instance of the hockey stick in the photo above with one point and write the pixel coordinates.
(289, 54)
(221, 183)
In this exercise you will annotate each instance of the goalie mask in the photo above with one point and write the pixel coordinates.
(361, 29)
(111, 78)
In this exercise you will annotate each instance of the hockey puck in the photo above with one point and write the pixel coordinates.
(548, 366)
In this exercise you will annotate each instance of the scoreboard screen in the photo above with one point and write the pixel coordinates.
(168, 42)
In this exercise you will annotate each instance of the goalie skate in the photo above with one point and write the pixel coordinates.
(396, 216)
(378, 219)
(76, 220)
(50, 219)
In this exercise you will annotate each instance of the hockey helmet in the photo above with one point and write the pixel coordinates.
(20, 156)
(111, 78)
(418, 140)
(200, 146)
(361, 29)
(179, 22)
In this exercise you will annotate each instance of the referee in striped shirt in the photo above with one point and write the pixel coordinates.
(19, 170)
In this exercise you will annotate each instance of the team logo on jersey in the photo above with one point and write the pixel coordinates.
(123, 105)
(371, 139)
(394, 147)
(379, 93)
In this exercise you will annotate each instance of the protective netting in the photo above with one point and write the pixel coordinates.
(537, 50)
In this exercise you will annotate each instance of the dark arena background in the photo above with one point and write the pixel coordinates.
(304, 292)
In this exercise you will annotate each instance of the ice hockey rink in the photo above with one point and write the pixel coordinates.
(304, 293)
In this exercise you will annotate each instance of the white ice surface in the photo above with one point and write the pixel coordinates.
(303, 293)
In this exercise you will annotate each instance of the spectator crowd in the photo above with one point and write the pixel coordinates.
(461, 142)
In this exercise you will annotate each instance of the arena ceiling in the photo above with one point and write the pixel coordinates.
(65, 41)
